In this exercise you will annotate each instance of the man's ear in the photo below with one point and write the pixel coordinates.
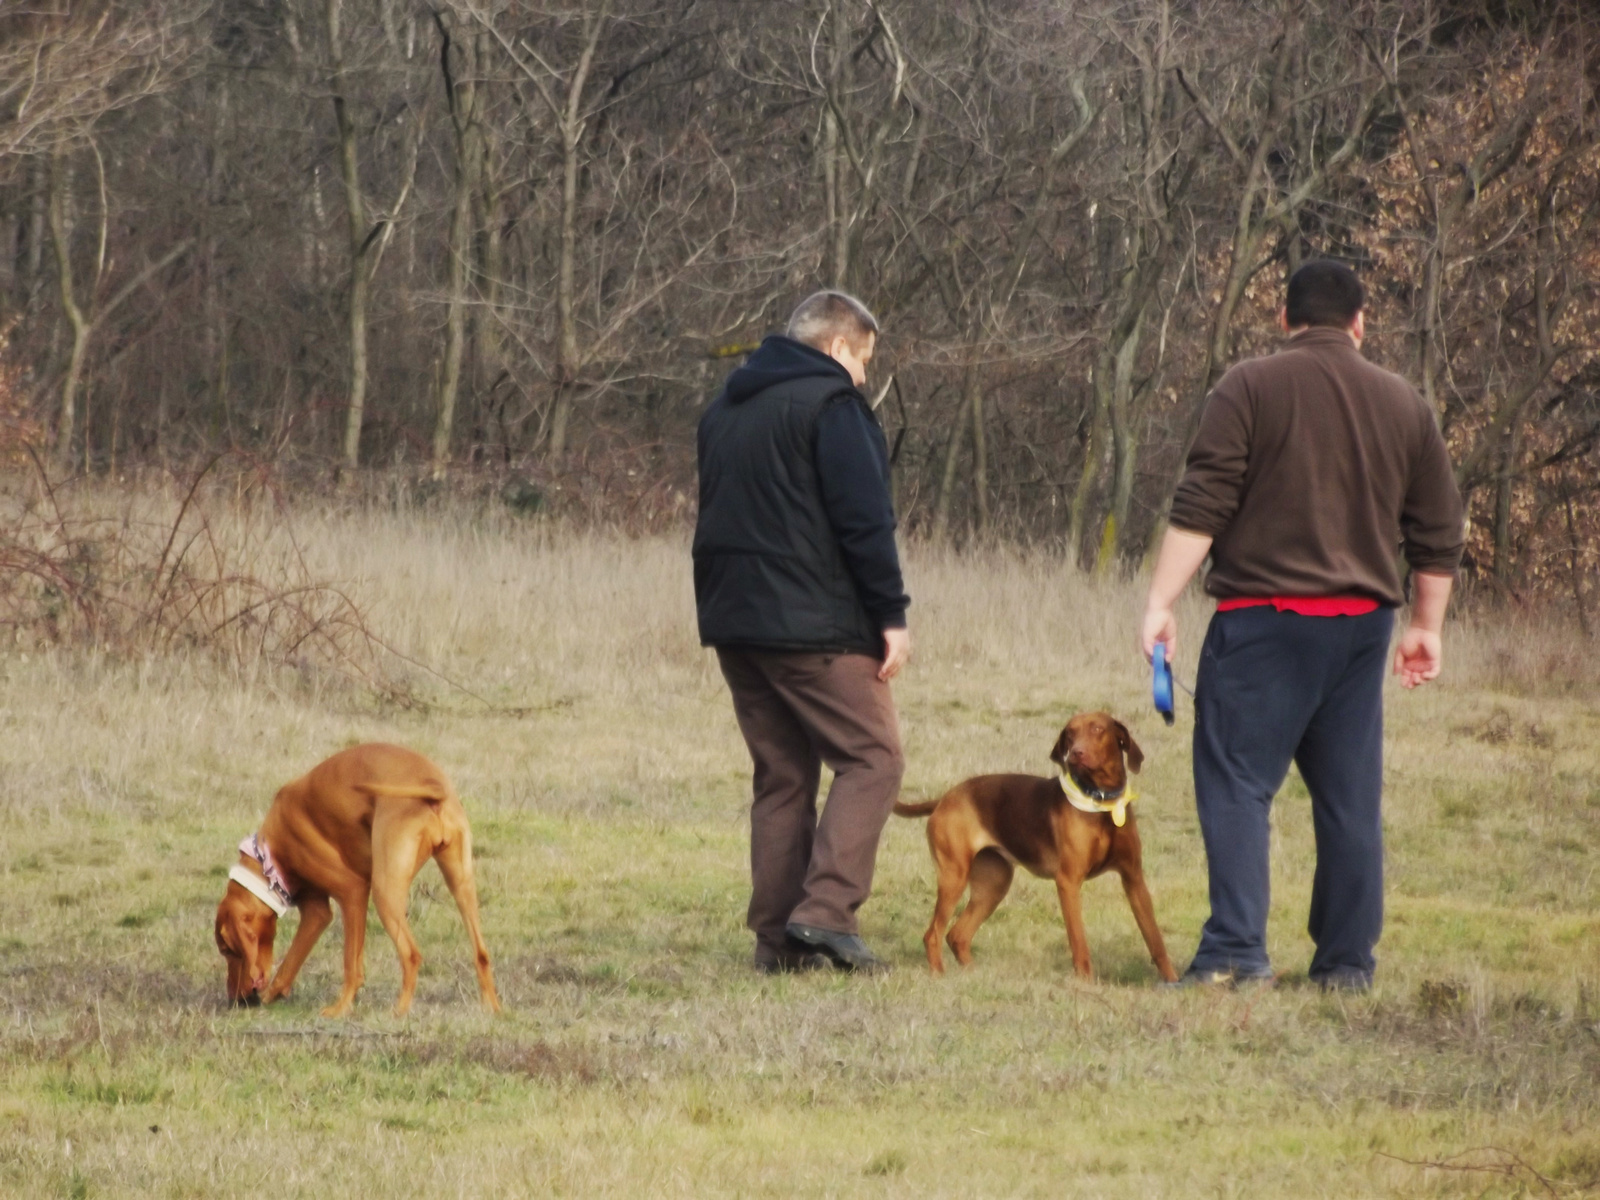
(1058, 754)
(1129, 747)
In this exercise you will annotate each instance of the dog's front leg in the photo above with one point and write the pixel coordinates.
(353, 914)
(1144, 913)
(1070, 890)
(315, 916)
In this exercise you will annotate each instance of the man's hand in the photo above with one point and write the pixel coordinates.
(1417, 657)
(1159, 626)
(1181, 554)
(896, 652)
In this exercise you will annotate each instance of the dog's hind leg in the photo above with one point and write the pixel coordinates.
(952, 873)
(990, 878)
(398, 850)
(455, 864)
(315, 916)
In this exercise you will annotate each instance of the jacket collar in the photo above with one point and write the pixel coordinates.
(781, 359)
(1320, 336)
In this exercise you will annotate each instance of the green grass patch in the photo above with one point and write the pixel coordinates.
(639, 1055)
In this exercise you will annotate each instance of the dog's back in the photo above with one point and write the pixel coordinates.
(1016, 814)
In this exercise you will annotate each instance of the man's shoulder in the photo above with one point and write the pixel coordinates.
(1398, 384)
(809, 391)
(1290, 360)
(805, 397)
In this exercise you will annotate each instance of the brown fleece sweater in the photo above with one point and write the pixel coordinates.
(1311, 468)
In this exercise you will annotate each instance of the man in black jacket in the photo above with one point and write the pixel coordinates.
(797, 585)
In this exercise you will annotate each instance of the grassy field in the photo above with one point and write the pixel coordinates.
(639, 1054)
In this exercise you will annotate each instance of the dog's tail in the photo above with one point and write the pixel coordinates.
(921, 809)
(429, 791)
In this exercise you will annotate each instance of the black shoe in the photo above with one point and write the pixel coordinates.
(1228, 977)
(845, 950)
(1343, 981)
(787, 961)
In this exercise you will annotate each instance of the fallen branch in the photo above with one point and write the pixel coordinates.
(1507, 1168)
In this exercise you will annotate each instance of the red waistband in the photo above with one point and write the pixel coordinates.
(1307, 606)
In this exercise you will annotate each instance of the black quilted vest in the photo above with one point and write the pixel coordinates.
(768, 572)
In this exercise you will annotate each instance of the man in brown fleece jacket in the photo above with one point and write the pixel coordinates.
(1311, 468)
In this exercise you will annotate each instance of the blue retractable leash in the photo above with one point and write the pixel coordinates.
(1161, 686)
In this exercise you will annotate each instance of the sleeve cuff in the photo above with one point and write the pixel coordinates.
(1200, 523)
(893, 620)
(1447, 563)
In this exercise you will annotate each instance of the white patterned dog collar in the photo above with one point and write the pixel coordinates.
(269, 887)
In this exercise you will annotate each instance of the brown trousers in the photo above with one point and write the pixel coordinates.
(798, 711)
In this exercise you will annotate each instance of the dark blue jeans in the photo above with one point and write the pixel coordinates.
(1274, 688)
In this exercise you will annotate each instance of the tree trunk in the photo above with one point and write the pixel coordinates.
(574, 127)
(980, 450)
(356, 219)
(1505, 484)
(838, 270)
(1119, 405)
(32, 259)
(833, 162)
(61, 238)
(1088, 480)
(969, 403)
(486, 328)
(469, 160)
(566, 300)
(952, 459)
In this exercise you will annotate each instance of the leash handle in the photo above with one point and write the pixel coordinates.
(1161, 683)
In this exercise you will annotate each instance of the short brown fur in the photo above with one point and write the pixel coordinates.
(360, 824)
(982, 827)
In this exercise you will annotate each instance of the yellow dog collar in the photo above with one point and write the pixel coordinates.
(1117, 807)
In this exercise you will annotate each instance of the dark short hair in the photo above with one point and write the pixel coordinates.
(823, 316)
(1324, 292)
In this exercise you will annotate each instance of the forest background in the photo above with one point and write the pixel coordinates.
(512, 248)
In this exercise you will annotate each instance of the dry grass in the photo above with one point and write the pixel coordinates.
(639, 1055)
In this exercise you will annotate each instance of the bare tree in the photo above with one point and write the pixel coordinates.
(369, 234)
(459, 59)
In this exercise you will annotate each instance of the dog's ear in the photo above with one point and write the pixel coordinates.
(1129, 747)
(1058, 755)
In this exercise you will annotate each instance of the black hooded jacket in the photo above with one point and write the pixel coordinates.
(794, 547)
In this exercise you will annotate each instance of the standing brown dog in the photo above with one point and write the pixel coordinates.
(981, 828)
(362, 823)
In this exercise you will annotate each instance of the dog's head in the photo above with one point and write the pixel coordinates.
(244, 931)
(1097, 750)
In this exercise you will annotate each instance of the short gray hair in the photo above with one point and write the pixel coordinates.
(823, 316)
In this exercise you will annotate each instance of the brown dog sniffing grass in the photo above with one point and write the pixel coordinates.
(360, 824)
(1068, 829)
